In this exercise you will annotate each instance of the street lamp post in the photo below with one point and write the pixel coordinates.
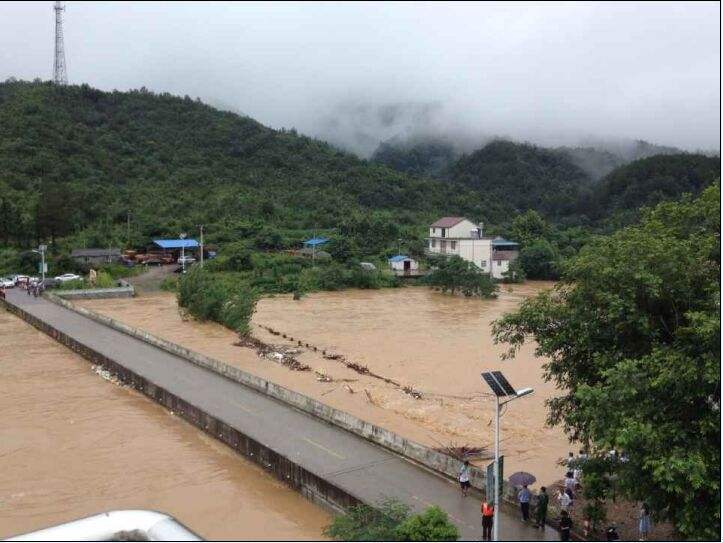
(41, 251)
(502, 389)
(183, 252)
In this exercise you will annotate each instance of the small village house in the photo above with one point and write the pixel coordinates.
(95, 256)
(403, 265)
(460, 236)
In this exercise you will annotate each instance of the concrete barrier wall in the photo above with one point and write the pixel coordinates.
(95, 293)
(438, 462)
(304, 481)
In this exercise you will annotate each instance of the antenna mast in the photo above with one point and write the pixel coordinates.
(60, 76)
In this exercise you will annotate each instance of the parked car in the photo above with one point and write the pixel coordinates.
(186, 259)
(67, 277)
(6, 282)
(50, 282)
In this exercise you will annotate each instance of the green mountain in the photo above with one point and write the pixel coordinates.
(617, 198)
(426, 157)
(515, 177)
(600, 159)
(75, 160)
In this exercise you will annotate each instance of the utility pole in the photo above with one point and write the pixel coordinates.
(128, 227)
(60, 75)
(201, 227)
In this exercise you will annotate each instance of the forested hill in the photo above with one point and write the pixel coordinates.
(519, 176)
(75, 158)
(616, 199)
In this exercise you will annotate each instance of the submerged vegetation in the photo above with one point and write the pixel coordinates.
(455, 275)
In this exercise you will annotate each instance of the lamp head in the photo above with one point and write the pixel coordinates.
(524, 392)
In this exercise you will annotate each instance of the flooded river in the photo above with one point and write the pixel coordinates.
(73, 444)
(437, 344)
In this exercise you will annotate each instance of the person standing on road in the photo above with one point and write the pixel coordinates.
(488, 515)
(565, 525)
(464, 477)
(524, 498)
(645, 524)
(542, 501)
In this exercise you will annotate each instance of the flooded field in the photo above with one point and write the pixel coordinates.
(73, 444)
(434, 343)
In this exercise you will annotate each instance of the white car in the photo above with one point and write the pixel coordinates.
(186, 260)
(6, 283)
(67, 277)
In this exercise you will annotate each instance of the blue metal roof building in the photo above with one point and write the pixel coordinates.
(315, 242)
(500, 241)
(399, 258)
(176, 243)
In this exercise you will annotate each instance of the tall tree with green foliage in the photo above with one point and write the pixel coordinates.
(632, 338)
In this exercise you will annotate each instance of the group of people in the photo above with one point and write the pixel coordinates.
(34, 288)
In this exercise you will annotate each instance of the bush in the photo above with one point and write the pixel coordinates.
(391, 521)
(432, 525)
(169, 284)
(223, 298)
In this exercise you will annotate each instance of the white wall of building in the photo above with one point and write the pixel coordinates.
(460, 230)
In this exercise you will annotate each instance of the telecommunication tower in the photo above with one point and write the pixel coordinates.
(60, 75)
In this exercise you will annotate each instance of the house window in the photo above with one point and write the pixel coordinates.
(453, 245)
(432, 243)
(444, 232)
(483, 264)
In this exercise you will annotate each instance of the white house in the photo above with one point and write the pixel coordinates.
(460, 236)
(403, 265)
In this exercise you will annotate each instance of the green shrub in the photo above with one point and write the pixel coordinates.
(432, 525)
(169, 284)
(365, 523)
(391, 521)
(223, 298)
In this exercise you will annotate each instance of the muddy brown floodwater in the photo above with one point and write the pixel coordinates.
(73, 444)
(435, 343)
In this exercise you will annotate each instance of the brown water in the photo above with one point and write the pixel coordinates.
(436, 343)
(73, 444)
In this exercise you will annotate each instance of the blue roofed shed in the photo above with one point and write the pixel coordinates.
(315, 242)
(403, 265)
(176, 243)
(500, 242)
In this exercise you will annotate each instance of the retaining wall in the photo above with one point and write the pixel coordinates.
(307, 483)
(95, 293)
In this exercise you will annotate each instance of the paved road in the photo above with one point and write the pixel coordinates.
(363, 469)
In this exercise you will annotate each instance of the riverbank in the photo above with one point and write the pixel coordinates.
(423, 340)
(68, 438)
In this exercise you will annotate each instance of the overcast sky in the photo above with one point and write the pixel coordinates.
(358, 73)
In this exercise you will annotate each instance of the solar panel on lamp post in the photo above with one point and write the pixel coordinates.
(501, 388)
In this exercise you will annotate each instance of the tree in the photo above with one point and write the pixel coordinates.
(456, 274)
(539, 260)
(529, 227)
(632, 337)
(432, 525)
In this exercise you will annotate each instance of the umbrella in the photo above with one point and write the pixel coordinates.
(522, 478)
